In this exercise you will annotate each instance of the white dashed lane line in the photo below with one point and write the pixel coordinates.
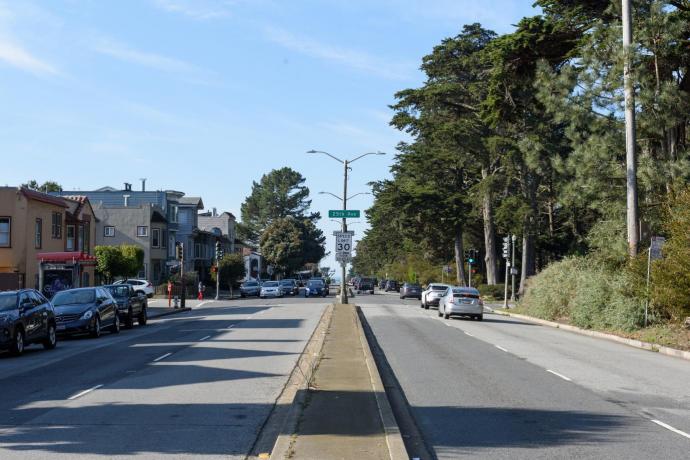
(467, 333)
(559, 375)
(670, 428)
(204, 338)
(82, 393)
(162, 357)
(501, 348)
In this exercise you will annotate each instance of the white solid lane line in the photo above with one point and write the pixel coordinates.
(501, 348)
(559, 375)
(162, 357)
(202, 339)
(670, 428)
(468, 333)
(82, 393)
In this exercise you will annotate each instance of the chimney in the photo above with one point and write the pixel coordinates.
(215, 213)
(126, 197)
(143, 184)
(128, 187)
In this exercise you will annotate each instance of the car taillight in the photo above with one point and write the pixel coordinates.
(149, 284)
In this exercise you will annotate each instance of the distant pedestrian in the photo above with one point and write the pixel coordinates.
(201, 291)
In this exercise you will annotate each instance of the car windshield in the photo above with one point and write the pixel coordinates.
(119, 291)
(251, 284)
(413, 285)
(77, 296)
(315, 283)
(8, 301)
(287, 282)
(457, 293)
(271, 284)
(437, 287)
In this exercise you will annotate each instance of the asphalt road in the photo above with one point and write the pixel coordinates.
(194, 385)
(503, 388)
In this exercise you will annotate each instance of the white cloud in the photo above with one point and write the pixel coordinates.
(354, 59)
(16, 56)
(196, 9)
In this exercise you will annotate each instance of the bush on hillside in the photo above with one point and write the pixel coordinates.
(492, 291)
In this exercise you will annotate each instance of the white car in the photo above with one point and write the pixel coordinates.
(271, 289)
(139, 285)
(461, 301)
(432, 294)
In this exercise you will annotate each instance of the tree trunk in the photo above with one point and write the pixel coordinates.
(528, 266)
(490, 257)
(459, 256)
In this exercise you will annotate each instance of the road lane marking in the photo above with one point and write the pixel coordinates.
(670, 428)
(162, 357)
(231, 326)
(202, 339)
(559, 375)
(80, 394)
(467, 333)
(501, 348)
(447, 324)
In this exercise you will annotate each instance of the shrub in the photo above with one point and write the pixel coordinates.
(492, 291)
(549, 294)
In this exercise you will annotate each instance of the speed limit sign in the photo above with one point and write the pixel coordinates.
(343, 244)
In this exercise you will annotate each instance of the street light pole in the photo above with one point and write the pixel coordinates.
(630, 155)
(343, 284)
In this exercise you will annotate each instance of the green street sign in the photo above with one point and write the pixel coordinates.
(347, 214)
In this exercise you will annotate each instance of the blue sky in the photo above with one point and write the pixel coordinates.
(205, 96)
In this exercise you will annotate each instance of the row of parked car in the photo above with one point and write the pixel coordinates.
(264, 289)
(28, 317)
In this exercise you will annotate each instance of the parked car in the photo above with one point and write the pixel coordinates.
(392, 286)
(271, 289)
(289, 286)
(139, 285)
(86, 310)
(432, 294)
(26, 317)
(130, 304)
(411, 290)
(461, 301)
(382, 284)
(366, 285)
(315, 287)
(249, 288)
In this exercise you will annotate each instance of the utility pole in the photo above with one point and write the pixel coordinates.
(343, 263)
(512, 272)
(184, 288)
(630, 155)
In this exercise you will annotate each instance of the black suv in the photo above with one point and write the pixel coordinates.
(26, 317)
(131, 304)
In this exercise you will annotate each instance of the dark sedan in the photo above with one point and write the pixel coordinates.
(131, 304)
(26, 317)
(249, 288)
(289, 287)
(411, 290)
(86, 310)
(316, 288)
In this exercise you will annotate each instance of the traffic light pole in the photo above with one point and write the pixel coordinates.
(184, 288)
(512, 271)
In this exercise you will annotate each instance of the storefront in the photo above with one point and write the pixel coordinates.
(58, 271)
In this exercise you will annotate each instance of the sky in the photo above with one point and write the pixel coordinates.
(206, 96)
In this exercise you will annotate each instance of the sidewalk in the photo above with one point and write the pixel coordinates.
(341, 418)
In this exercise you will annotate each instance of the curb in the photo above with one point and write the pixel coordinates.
(168, 313)
(396, 446)
(668, 351)
(285, 424)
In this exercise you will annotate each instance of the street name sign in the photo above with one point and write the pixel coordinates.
(343, 213)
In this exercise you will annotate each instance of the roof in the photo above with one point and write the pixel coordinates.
(62, 257)
(107, 188)
(43, 197)
(191, 200)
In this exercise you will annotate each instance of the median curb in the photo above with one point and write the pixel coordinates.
(396, 445)
(668, 351)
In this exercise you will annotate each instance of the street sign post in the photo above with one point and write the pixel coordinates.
(655, 253)
(343, 213)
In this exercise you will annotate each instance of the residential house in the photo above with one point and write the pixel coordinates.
(145, 225)
(187, 231)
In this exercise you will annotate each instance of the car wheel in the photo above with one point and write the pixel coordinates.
(426, 306)
(129, 321)
(143, 316)
(480, 317)
(446, 316)
(115, 328)
(17, 347)
(439, 313)
(51, 338)
(96, 328)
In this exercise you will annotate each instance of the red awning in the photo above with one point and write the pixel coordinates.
(64, 257)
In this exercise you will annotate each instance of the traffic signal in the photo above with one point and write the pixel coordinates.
(179, 250)
(219, 251)
(472, 256)
(506, 247)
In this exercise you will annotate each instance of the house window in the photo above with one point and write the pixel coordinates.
(109, 231)
(38, 243)
(142, 231)
(87, 238)
(80, 240)
(142, 272)
(69, 246)
(173, 213)
(164, 238)
(197, 251)
(5, 228)
(156, 237)
(56, 229)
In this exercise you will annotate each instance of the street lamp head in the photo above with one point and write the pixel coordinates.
(312, 151)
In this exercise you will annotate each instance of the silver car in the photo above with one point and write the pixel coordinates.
(461, 301)
(271, 289)
(432, 294)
